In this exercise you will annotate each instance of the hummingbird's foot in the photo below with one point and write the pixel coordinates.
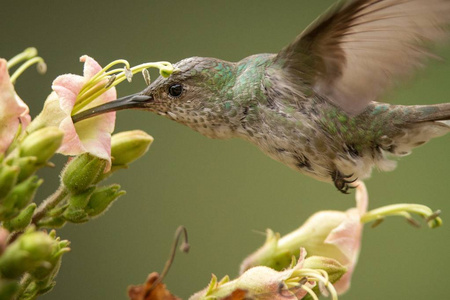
(343, 182)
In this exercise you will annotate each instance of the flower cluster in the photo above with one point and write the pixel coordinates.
(30, 257)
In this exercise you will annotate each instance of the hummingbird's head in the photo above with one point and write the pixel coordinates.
(193, 95)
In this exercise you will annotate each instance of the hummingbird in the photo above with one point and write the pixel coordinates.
(313, 106)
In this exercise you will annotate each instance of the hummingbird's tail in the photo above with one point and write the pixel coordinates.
(433, 113)
(423, 123)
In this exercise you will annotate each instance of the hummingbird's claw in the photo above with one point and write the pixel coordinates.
(342, 182)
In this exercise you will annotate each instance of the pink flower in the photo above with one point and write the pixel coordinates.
(346, 237)
(332, 234)
(92, 135)
(13, 111)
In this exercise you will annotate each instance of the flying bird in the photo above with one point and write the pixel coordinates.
(313, 106)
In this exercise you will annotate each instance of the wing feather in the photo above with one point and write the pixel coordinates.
(359, 48)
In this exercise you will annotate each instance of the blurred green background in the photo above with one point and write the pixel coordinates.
(224, 192)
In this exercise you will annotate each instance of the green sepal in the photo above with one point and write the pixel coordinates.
(82, 199)
(58, 210)
(52, 222)
(21, 221)
(75, 216)
(75, 212)
(102, 199)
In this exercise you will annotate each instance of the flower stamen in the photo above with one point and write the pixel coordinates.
(110, 81)
(146, 75)
(35, 60)
(128, 73)
(319, 276)
(25, 55)
(310, 292)
(92, 89)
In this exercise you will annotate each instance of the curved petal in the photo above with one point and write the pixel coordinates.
(13, 111)
(91, 67)
(347, 236)
(67, 87)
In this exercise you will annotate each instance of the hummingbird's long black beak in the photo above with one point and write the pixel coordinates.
(127, 102)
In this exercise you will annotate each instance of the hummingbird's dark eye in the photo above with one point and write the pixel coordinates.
(175, 90)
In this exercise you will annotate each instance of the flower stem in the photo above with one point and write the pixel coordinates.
(51, 202)
(404, 210)
(26, 280)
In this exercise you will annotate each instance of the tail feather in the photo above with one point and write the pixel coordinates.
(436, 112)
(430, 121)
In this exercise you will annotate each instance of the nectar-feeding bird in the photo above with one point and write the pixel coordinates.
(312, 106)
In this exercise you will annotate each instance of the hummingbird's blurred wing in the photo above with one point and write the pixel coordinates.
(356, 50)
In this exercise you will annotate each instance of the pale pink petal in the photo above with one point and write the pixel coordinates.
(347, 237)
(88, 136)
(91, 67)
(343, 284)
(13, 111)
(25, 117)
(71, 144)
(92, 135)
(67, 87)
(362, 198)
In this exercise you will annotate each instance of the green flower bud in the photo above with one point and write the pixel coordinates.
(42, 144)
(8, 289)
(53, 222)
(102, 199)
(19, 197)
(27, 165)
(8, 178)
(22, 220)
(45, 273)
(30, 250)
(128, 146)
(75, 212)
(82, 172)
